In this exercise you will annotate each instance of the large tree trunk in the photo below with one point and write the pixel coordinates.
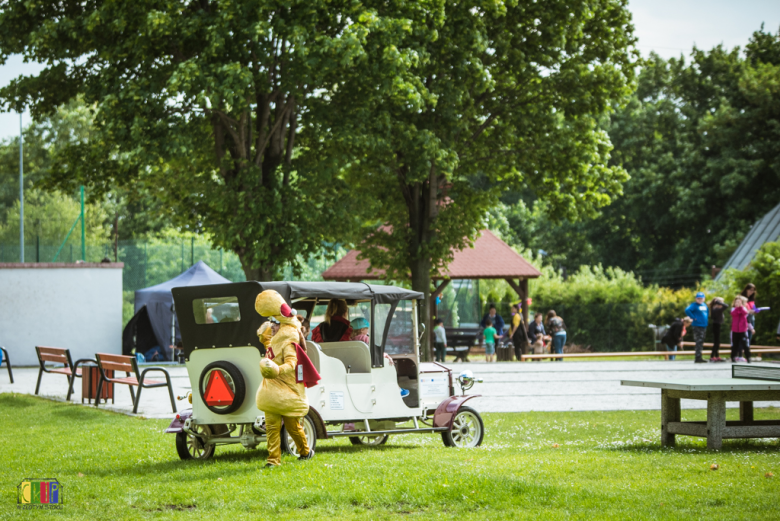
(261, 274)
(421, 200)
(421, 281)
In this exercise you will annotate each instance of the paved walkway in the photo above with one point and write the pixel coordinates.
(582, 386)
(507, 387)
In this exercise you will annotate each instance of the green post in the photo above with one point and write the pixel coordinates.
(83, 229)
(192, 252)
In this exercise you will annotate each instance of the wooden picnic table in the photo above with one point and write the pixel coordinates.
(763, 386)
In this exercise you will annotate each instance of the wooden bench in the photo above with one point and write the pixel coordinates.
(128, 364)
(58, 355)
(7, 363)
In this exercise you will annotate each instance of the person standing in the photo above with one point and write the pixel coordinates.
(557, 330)
(699, 313)
(749, 292)
(495, 319)
(739, 330)
(536, 334)
(517, 332)
(491, 336)
(674, 335)
(440, 340)
(717, 306)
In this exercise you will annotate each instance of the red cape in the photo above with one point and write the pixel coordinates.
(305, 372)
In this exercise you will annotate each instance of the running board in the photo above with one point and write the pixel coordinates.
(332, 434)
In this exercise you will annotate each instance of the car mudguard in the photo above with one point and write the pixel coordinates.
(447, 409)
(178, 422)
(319, 425)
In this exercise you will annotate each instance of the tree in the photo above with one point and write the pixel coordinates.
(476, 98)
(201, 104)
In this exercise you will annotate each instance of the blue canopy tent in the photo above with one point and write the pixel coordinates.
(159, 302)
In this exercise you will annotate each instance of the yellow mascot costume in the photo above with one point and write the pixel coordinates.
(280, 397)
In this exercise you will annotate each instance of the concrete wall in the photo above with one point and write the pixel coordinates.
(75, 306)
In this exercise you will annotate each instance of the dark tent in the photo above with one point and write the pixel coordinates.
(159, 301)
(138, 334)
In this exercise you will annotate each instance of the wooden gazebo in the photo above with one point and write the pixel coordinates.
(489, 258)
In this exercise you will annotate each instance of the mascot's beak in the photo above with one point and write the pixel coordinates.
(286, 310)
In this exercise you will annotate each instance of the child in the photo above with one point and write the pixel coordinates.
(440, 335)
(360, 329)
(717, 306)
(490, 335)
(739, 330)
(700, 314)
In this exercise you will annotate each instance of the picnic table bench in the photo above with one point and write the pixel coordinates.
(748, 384)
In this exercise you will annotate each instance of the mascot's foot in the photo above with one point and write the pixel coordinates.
(270, 465)
(310, 455)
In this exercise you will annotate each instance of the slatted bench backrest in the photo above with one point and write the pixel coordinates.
(52, 354)
(755, 372)
(116, 362)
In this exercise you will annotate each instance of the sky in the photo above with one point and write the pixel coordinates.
(668, 27)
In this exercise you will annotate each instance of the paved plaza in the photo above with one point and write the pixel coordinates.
(507, 387)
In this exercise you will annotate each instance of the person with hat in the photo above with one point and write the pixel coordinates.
(360, 329)
(699, 313)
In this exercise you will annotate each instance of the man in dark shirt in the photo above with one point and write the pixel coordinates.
(496, 319)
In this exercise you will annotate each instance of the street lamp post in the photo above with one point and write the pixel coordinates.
(21, 191)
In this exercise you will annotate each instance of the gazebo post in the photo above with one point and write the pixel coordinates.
(522, 291)
(434, 307)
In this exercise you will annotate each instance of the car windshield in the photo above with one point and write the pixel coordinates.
(400, 337)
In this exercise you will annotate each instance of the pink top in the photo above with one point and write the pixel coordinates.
(362, 338)
(739, 320)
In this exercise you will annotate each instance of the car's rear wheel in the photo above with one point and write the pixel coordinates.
(288, 444)
(371, 441)
(192, 447)
(467, 429)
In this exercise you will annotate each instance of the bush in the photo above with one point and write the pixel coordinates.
(608, 308)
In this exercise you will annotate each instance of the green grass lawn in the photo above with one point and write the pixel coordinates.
(573, 465)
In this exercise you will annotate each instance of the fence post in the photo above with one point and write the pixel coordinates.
(145, 262)
(182, 257)
(37, 248)
(192, 251)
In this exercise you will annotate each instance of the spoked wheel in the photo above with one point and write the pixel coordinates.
(191, 447)
(467, 429)
(288, 444)
(371, 441)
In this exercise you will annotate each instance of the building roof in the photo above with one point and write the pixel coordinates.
(489, 258)
(767, 229)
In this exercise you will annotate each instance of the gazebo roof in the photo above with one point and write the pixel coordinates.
(767, 229)
(489, 258)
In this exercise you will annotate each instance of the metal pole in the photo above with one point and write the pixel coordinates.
(192, 252)
(83, 235)
(21, 191)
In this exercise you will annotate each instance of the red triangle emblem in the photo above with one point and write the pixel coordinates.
(218, 392)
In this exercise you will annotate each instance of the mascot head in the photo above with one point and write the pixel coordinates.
(270, 303)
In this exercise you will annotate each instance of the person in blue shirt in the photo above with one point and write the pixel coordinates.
(497, 321)
(700, 314)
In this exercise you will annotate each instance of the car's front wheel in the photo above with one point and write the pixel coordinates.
(467, 429)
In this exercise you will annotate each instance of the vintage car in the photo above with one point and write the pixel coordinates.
(361, 395)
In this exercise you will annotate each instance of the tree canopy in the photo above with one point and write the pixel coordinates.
(700, 140)
(201, 104)
(476, 98)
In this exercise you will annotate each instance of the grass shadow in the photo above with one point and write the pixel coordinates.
(730, 446)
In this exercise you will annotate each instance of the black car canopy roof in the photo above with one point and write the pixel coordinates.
(244, 332)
